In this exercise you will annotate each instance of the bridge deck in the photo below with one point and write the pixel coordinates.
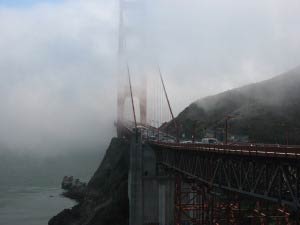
(266, 172)
(246, 150)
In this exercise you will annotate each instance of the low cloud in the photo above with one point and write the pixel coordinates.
(58, 60)
(57, 85)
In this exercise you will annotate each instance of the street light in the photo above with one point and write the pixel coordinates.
(228, 117)
(196, 122)
(286, 128)
(194, 130)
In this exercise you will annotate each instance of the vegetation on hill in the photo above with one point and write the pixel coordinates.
(265, 112)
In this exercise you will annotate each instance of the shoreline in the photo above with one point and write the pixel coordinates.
(105, 195)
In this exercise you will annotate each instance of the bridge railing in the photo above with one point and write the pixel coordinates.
(252, 150)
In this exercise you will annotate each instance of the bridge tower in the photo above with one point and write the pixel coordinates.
(151, 196)
(139, 90)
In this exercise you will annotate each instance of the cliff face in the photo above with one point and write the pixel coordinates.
(265, 112)
(106, 199)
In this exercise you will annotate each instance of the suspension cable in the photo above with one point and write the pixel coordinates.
(131, 95)
(169, 105)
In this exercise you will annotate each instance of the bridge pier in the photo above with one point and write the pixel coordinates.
(166, 200)
(151, 195)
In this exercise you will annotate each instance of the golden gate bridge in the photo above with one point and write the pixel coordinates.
(172, 182)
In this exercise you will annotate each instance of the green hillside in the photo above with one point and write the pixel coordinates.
(265, 112)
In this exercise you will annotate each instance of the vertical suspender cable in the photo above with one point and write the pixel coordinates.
(157, 102)
(161, 103)
(154, 103)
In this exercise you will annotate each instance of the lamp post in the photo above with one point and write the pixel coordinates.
(286, 129)
(196, 122)
(194, 130)
(228, 117)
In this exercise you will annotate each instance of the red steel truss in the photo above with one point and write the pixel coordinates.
(197, 204)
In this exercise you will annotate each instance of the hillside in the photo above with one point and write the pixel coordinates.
(264, 112)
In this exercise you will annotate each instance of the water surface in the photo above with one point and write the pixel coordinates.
(31, 205)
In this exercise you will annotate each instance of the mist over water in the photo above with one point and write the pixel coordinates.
(30, 191)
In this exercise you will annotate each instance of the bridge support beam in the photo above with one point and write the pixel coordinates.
(166, 201)
(219, 187)
(135, 184)
(151, 195)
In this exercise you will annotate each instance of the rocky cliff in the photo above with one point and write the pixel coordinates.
(106, 199)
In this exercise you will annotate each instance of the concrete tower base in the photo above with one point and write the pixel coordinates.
(151, 197)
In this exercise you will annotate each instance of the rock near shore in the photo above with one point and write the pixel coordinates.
(106, 199)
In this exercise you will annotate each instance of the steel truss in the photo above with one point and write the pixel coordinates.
(269, 187)
(197, 204)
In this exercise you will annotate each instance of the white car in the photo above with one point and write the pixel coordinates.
(186, 142)
(210, 141)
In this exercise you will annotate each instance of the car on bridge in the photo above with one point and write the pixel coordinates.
(186, 142)
(210, 141)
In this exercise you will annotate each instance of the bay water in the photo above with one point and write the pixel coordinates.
(31, 205)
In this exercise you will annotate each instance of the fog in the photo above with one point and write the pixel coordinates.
(58, 60)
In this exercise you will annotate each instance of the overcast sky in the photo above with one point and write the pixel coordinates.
(58, 59)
